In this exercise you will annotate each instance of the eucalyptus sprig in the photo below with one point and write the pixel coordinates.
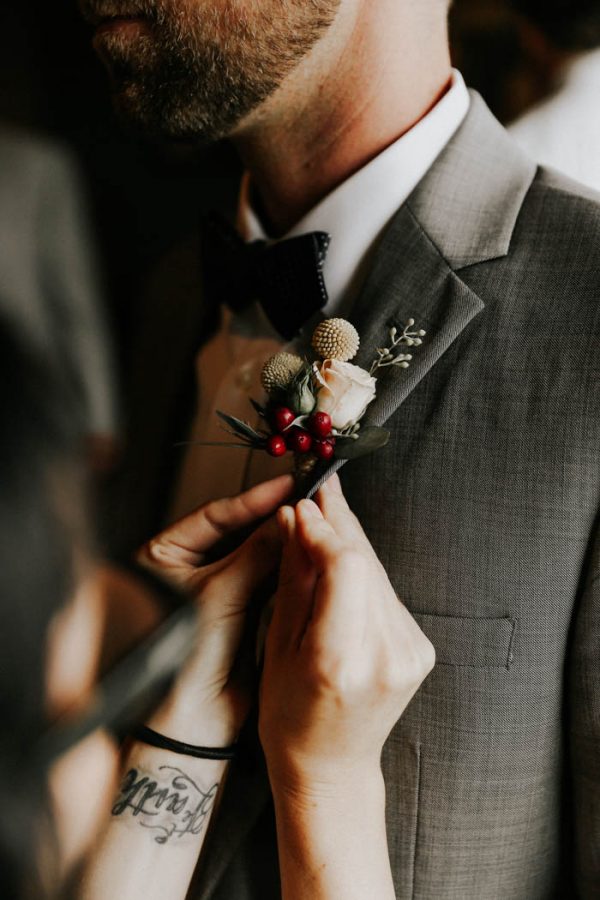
(389, 356)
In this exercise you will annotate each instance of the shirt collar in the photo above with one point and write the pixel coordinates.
(356, 213)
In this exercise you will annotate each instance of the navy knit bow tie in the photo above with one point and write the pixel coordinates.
(285, 277)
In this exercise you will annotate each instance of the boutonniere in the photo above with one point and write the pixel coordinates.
(314, 408)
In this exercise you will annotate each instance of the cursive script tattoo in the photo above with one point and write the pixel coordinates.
(171, 803)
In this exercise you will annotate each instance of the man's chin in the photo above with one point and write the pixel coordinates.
(142, 116)
(123, 30)
(169, 100)
(124, 49)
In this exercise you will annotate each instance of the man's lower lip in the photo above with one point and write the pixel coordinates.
(122, 23)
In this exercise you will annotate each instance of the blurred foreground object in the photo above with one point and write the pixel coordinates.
(48, 273)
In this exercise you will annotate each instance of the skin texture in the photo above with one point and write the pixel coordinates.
(159, 817)
(339, 644)
(309, 90)
(195, 70)
(211, 699)
(111, 612)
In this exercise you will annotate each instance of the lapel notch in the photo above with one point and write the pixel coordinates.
(411, 279)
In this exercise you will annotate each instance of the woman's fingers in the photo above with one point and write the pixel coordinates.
(186, 542)
(239, 576)
(224, 591)
(343, 573)
(336, 511)
(297, 579)
(317, 535)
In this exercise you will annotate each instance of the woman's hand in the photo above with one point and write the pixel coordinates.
(343, 656)
(208, 704)
(151, 846)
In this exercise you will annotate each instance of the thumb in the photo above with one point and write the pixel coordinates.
(185, 543)
(230, 583)
(224, 592)
(317, 536)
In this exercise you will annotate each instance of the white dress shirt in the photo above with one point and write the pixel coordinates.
(355, 214)
(563, 131)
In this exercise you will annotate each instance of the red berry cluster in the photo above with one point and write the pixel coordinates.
(316, 437)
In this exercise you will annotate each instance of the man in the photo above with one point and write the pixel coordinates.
(482, 508)
(563, 129)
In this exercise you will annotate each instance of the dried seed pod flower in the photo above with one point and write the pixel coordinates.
(336, 339)
(304, 464)
(279, 371)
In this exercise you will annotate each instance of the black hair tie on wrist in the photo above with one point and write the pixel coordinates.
(147, 736)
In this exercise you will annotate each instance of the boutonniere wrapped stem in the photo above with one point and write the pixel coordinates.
(314, 408)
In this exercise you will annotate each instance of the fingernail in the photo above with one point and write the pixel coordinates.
(283, 520)
(286, 481)
(310, 509)
(335, 484)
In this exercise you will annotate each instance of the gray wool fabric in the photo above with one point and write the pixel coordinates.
(483, 510)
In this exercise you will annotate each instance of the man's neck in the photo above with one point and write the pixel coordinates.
(375, 74)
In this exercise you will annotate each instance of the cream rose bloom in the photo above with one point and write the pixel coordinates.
(344, 393)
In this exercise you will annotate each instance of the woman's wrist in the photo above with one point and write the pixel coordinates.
(206, 725)
(170, 796)
(328, 786)
(332, 836)
(147, 758)
(143, 734)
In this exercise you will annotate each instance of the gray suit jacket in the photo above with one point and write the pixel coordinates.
(483, 509)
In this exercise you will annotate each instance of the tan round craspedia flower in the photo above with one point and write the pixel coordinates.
(336, 339)
(279, 370)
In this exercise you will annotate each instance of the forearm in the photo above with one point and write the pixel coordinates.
(157, 827)
(332, 843)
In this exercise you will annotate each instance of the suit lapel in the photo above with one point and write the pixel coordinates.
(464, 212)
(410, 280)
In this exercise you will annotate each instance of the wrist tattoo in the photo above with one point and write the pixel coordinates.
(170, 803)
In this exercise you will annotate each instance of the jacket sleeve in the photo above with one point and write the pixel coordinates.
(584, 707)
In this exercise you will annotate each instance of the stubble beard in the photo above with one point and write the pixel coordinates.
(195, 70)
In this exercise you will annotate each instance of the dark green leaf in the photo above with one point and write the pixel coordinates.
(242, 429)
(369, 440)
(245, 446)
(259, 408)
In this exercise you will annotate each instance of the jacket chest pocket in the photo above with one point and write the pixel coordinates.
(469, 642)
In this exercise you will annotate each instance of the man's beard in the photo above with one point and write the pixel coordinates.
(194, 69)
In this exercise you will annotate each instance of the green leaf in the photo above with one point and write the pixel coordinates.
(245, 446)
(241, 429)
(261, 410)
(369, 440)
